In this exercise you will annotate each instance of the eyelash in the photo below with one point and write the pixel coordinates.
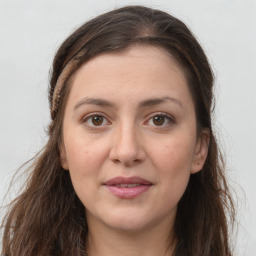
(90, 116)
(167, 118)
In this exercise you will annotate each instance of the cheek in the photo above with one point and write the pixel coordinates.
(174, 156)
(173, 162)
(84, 160)
(84, 154)
(84, 166)
(174, 177)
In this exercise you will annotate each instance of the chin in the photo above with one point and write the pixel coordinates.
(128, 225)
(124, 221)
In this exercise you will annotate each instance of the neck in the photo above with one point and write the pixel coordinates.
(148, 242)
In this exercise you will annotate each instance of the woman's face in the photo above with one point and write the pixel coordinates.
(130, 138)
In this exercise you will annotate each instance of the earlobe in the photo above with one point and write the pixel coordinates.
(64, 163)
(201, 151)
(63, 158)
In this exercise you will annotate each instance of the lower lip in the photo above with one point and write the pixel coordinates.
(128, 193)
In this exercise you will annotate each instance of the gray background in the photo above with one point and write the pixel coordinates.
(31, 31)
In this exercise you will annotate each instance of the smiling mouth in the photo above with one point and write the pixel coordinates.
(128, 188)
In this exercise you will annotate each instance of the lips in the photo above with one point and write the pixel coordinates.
(128, 188)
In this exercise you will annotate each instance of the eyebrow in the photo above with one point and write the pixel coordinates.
(94, 101)
(157, 101)
(143, 104)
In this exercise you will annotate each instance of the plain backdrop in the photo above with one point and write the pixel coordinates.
(31, 31)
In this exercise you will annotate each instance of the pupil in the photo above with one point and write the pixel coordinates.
(158, 120)
(97, 120)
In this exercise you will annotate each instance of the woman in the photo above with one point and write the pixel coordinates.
(131, 166)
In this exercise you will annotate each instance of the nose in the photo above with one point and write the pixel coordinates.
(127, 147)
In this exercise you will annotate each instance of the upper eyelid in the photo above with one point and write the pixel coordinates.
(86, 117)
(94, 114)
(161, 114)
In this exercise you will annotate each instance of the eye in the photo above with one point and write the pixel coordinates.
(94, 120)
(161, 120)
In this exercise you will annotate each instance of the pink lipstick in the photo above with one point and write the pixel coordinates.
(127, 188)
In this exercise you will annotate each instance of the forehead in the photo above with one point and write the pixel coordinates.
(140, 56)
(136, 72)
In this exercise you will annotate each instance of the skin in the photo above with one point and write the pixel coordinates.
(128, 142)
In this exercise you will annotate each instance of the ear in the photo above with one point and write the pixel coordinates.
(63, 157)
(201, 151)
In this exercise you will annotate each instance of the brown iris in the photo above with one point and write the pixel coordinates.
(158, 120)
(97, 120)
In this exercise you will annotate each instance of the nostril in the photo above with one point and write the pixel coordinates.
(116, 161)
(126, 161)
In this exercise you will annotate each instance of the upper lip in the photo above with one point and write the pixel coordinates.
(127, 180)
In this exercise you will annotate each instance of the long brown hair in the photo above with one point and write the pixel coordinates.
(47, 218)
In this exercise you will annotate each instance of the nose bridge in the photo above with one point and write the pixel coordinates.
(126, 147)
